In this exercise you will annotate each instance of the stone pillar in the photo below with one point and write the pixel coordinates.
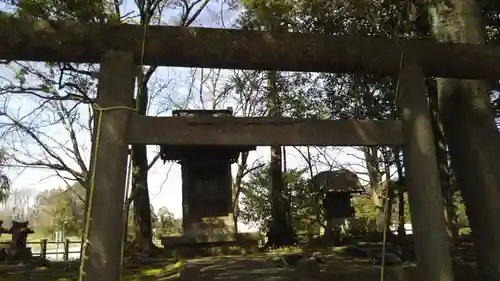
(422, 179)
(101, 256)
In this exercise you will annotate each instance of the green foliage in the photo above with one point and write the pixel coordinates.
(165, 224)
(60, 209)
(346, 95)
(256, 208)
(85, 11)
(462, 219)
(491, 12)
(364, 208)
(324, 96)
(336, 96)
(340, 96)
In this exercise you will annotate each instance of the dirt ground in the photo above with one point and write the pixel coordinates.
(237, 268)
(335, 268)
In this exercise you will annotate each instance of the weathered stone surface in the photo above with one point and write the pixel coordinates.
(243, 49)
(102, 255)
(263, 131)
(422, 179)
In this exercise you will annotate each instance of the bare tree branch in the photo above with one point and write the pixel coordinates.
(157, 156)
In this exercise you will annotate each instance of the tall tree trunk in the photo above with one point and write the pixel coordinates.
(401, 196)
(86, 213)
(472, 135)
(442, 160)
(140, 196)
(389, 198)
(373, 161)
(140, 191)
(280, 231)
(286, 187)
(376, 185)
(238, 179)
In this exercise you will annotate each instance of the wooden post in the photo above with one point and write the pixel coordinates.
(43, 248)
(101, 259)
(422, 179)
(66, 250)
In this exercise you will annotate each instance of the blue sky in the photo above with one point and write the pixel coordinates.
(172, 83)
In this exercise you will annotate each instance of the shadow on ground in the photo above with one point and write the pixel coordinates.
(241, 268)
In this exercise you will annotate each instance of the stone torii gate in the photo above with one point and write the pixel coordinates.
(117, 48)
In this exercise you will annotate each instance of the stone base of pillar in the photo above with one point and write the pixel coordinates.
(213, 229)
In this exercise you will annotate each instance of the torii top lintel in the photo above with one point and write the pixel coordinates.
(64, 41)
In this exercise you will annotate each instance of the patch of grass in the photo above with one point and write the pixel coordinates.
(284, 250)
(65, 273)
